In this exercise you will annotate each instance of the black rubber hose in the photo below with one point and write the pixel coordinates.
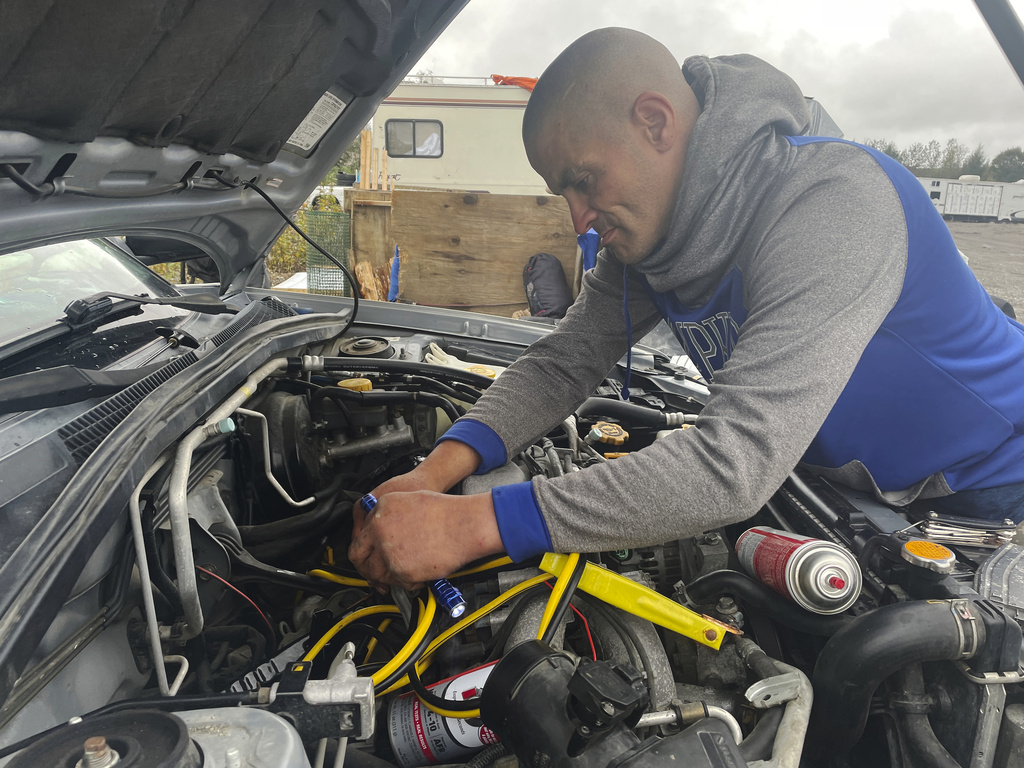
(760, 742)
(709, 588)
(619, 409)
(915, 727)
(860, 656)
(157, 573)
(442, 372)
(305, 524)
(488, 756)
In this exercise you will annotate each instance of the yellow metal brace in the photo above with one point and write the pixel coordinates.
(643, 602)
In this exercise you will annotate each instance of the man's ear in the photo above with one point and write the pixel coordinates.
(654, 116)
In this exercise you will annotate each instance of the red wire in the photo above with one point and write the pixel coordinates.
(586, 625)
(232, 587)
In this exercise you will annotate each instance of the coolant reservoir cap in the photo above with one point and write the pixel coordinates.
(356, 385)
(610, 434)
(928, 554)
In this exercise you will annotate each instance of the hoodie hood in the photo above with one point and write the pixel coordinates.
(746, 103)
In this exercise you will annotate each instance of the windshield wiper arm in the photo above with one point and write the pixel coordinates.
(92, 308)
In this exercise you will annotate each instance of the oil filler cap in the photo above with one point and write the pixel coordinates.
(609, 434)
(929, 555)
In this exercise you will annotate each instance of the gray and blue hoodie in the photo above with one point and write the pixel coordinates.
(822, 296)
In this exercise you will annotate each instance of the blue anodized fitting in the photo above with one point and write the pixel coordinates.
(447, 594)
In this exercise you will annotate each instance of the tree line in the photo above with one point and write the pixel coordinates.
(955, 159)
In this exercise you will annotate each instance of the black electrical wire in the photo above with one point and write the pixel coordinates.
(434, 386)
(459, 409)
(467, 391)
(627, 636)
(454, 705)
(168, 704)
(564, 601)
(370, 632)
(288, 220)
(8, 170)
(399, 673)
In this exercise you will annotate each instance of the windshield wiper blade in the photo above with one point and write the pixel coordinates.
(92, 308)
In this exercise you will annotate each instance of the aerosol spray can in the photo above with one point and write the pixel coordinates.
(817, 575)
(420, 736)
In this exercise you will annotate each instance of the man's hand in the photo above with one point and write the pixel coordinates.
(446, 465)
(413, 537)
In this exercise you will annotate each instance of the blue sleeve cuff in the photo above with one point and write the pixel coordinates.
(520, 523)
(481, 439)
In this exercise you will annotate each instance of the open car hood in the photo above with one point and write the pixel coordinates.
(124, 112)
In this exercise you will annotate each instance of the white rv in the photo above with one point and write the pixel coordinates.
(972, 198)
(456, 133)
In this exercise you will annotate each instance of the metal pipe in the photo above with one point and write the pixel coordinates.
(789, 740)
(182, 671)
(149, 607)
(177, 495)
(266, 460)
(671, 716)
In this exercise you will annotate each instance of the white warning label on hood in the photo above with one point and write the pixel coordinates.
(315, 125)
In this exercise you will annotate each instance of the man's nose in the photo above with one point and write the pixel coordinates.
(583, 215)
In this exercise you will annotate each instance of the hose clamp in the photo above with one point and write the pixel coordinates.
(966, 627)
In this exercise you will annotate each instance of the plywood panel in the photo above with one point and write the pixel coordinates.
(371, 227)
(469, 250)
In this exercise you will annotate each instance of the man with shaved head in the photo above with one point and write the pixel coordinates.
(809, 279)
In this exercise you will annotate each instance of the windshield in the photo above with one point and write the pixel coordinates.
(37, 283)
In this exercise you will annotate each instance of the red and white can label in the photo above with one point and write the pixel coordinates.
(420, 736)
(766, 554)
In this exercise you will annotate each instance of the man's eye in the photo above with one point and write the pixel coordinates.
(582, 184)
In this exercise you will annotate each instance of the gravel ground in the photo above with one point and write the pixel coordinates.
(995, 253)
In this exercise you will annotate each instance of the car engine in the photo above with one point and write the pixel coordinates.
(830, 629)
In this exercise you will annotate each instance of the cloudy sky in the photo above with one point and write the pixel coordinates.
(904, 70)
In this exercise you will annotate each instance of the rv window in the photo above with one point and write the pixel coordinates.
(414, 138)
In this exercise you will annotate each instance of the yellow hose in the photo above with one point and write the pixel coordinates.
(347, 581)
(467, 621)
(422, 627)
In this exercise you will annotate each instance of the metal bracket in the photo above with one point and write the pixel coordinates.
(774, 691)
(341, 705)
(990, 678)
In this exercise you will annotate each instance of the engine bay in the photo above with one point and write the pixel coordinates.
(828, 630)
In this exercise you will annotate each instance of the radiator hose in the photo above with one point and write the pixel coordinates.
(861, 655)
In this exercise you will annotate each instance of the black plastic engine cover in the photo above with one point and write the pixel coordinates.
(707, 744)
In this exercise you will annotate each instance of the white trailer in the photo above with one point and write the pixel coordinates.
(970, 197)
(456, 133)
